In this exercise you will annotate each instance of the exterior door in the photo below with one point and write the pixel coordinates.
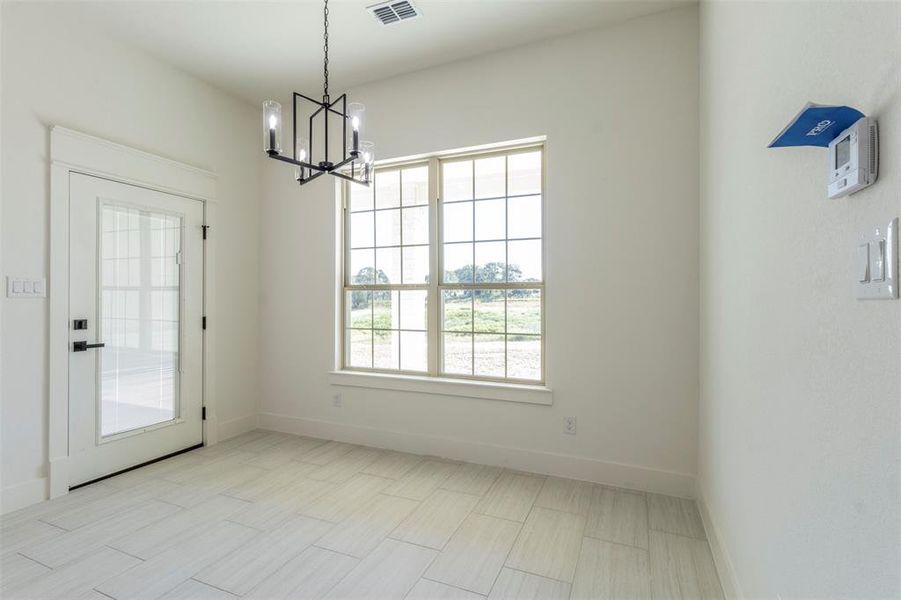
(135, 339)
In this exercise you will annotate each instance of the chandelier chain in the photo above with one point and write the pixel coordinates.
(325, 48)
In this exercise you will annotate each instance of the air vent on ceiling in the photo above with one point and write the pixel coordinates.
(393, 12)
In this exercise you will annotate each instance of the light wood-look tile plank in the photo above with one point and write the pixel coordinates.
(73, 544)
(393, 465)
(567, 495)
(205, 488)
(283, 452)
(309, 575)
(548, 544)
(245, 568)
(17, 571)
(177, 529)
(78, 577)
(46, 510)
(326, 453)
(193, 590)
(610, 571)
(260, 488)
(511, 496)
(436, 519)
(682, 568)
(618, 516)
(26, 534)
(208, 468)
(157, 470)
(346, 466)
(266, 442)
(517, 585)
(389, 572)
(274, 508)
(675, 515)
(422, 480)
(474, 479)
(346, 499)
(365, 529)
(475, 554)
(165, 571)
(109, 504)
(426, 589)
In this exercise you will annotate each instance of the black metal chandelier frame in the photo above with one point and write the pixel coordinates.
(324, 166)
(325, 107)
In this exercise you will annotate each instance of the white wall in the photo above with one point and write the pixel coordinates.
(800, 447)
(57, 72)
(619, 109)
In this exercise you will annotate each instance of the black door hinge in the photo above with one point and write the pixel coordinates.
(203, 413)
(204, 323)
(204, 227)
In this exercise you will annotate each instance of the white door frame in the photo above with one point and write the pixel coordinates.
(75, 152)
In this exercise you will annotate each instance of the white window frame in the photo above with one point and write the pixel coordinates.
(527, 390)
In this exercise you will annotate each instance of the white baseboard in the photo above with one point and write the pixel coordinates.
(232, 427)
(23, 494)
(535, 461)
(721, 559)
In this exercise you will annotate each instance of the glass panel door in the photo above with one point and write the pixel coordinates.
(140, 304)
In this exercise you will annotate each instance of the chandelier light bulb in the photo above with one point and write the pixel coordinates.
(273, 121)
(355, 123)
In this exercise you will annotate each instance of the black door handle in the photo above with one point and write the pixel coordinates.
(82, 346)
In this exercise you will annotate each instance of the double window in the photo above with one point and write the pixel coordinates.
(443, 268)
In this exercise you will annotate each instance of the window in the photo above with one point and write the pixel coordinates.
(444, 268)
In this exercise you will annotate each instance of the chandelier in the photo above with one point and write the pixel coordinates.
(354, 165)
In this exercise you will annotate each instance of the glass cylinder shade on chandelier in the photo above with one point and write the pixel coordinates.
(367, 157)
(302, 154)
(355, 112)
(272, 126)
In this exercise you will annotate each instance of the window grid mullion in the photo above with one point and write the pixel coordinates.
(434, 339)
(507, 253)
(472, 337)
(400, 225)
(375, 279)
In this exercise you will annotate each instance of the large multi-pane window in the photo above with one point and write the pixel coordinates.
(444, 268)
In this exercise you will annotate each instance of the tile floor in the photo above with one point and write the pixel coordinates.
(269, 516)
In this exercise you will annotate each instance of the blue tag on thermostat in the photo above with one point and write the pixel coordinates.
(816, 125)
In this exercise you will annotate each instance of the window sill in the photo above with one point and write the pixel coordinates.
(488, 390)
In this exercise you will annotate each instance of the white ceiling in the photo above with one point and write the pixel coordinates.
(258, 49)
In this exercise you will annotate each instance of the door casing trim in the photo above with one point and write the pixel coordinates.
(75, 152)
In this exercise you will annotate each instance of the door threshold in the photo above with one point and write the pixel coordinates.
(143, 464)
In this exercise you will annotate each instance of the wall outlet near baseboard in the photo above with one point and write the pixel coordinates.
(336, 400)
(569, 425)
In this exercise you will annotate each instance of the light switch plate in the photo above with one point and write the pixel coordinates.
(882, 262)
(20, 287)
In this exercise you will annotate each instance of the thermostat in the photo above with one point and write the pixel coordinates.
(853, 158)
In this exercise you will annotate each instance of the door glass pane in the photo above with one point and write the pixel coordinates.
(139, 318)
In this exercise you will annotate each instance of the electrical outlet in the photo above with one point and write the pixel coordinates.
(336, 400)
(569, 425)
